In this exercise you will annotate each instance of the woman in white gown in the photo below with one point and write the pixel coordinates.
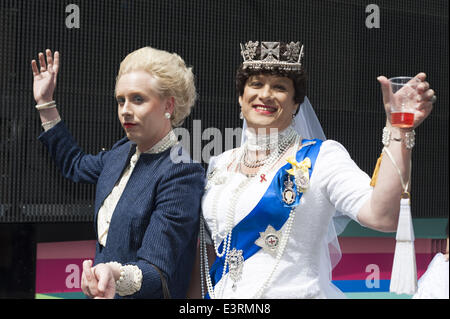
(434, 282)
(269, 204)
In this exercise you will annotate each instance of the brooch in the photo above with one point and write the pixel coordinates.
(288, 192)
(269, 240)
(300, 171)
(235, 264)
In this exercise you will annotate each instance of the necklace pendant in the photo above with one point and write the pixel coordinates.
(269, 240)
(288, 192)
(235, 264)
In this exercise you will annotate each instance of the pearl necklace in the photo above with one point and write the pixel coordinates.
(284, 144)
(273, 157)
(166, 142)
(253, 164)
(264, 142)
(261, 143)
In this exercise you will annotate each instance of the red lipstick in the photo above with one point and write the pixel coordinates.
(264, 109)
(128, 125)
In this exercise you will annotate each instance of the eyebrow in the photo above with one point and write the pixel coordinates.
(282, 79)
(134, 92)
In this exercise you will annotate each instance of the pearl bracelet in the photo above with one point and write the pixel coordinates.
(130, 279)
(409, 138)
(122, 272)
(122, 276)
(45, 106)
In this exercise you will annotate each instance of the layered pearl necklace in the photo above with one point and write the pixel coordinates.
(277, 150)
(262, 143)
(166, 142)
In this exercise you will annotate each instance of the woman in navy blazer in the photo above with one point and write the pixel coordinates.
(148, 193)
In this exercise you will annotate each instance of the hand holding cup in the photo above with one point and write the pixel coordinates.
(407, 100)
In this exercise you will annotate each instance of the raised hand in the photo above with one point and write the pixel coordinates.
(44, 78)
(424, 97)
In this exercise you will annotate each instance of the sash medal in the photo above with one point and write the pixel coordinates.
(261, 228)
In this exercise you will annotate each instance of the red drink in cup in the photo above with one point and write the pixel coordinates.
(402, 119)
(403, 100)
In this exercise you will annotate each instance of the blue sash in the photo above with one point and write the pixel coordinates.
(271, 210)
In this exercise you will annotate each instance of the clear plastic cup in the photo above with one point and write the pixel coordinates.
(403, 100)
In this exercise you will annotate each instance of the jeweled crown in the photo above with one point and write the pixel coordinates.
(272, 55)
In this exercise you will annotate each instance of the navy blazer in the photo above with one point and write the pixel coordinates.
(156, 220)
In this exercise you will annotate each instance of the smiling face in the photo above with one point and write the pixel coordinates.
(141, 110)
(268, 102)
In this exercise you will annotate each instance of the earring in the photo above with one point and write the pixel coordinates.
(241, 116)
(167, 115)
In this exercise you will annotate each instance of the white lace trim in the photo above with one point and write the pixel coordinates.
(48, 125)
(130, 280)
(109, 204)
(262, 142)
(166, 142)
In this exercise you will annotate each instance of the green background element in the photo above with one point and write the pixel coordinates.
(423, 228)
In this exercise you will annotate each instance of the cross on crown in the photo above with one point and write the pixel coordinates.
(270, 57)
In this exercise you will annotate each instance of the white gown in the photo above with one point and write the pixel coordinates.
(434, 282)
(336, 184)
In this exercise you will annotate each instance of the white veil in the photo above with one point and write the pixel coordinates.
(307, 125)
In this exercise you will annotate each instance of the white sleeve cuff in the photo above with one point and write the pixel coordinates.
(130, 280)
(48, 125)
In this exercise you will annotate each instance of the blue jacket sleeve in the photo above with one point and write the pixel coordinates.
(68, 156)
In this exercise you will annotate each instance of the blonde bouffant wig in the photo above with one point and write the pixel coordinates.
(173, 78)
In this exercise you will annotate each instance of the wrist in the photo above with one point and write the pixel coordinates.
(48, 115)
(400, 130)
(128, 278)
(116, 269)
(44, 100)
(396, 134)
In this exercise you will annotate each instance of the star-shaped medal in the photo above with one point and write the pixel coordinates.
(269, 240)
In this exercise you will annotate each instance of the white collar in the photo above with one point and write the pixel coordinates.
(166, 142)
(258, 142)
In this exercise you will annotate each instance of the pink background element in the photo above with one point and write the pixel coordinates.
(52, 261)
(353, 266)
(51, 275)
(66, 250)
(380, 245)
(357, 253)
